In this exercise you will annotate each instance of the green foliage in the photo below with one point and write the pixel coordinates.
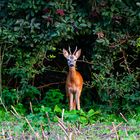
(90, 117)
(79, 116)
(112, 90)
(10, 97)
(30, 91)
(53, 97)
(116, 55)
(20, 109)
(14, 96)
(138, 44)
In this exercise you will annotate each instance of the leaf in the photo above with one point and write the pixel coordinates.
(89, 24)
(51, 3)
(90, 113)
(57, 109)
(83, 120)
(37, 25)
(100, 40)
(53, 34)
(45, 17)
(138, 42)
(97, 112)
(71, 116)
(82, 113)
(45, 109)
(16, 28)
(83, 25)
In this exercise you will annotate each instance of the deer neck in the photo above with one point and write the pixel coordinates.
(72, 73)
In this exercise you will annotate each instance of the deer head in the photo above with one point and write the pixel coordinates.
(72, 58)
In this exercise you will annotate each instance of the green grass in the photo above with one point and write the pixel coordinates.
(40, 126)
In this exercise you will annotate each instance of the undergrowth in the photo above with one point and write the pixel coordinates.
(57, 123)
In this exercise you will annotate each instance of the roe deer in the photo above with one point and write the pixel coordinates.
(74, 81)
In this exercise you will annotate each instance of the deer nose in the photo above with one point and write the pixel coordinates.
(71, 65)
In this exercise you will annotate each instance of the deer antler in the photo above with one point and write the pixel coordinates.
(69, 50)
(75, 50)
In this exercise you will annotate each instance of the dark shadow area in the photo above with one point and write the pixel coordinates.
(55, 76)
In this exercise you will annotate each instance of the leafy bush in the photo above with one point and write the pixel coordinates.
(10, 97)
(116, 55)
(52, 98)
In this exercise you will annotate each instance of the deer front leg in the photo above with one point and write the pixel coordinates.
(70, 101)
(78, 100)
(74, 104)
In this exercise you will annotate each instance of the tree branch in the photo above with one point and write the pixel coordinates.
(125, 60)
(91, 63)
(50, 84)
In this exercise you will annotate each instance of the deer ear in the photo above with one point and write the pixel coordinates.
(78, 53)
(65, 53)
